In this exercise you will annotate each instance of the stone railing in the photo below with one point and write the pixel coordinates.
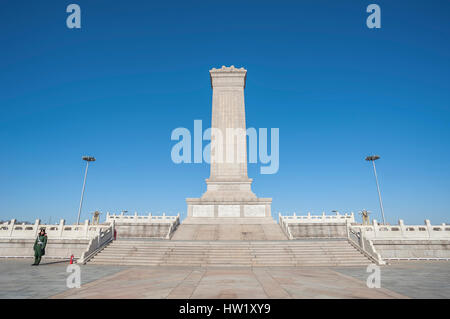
(12, 230)
(122, 218)
(147, 226)
(284, 226)
(173, 227)
(97, 243)
(310, 219)
(402, 231)
(364, 245)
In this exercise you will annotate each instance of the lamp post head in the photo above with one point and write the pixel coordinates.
(372, 158)
(88, 158)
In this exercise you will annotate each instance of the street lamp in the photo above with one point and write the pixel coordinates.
(87, 159)
(372, 159)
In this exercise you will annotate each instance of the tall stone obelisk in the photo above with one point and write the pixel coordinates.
(229, 191)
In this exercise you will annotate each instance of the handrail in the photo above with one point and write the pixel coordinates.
(285, 227)
(364, 245)
(97, 244)
(173, 226)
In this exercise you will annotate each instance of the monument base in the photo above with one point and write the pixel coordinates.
(202, 208)
(234, 219)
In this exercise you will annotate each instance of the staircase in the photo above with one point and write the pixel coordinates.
(307, 253)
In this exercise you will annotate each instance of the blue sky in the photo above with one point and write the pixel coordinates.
(136, 70)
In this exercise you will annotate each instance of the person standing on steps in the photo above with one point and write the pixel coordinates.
(39, 247)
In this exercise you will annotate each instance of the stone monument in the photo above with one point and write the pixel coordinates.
(229, 193)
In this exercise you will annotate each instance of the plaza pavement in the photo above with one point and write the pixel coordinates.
(400, 280)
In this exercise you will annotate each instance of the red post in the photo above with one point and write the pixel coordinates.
(71, 259)
(115, 234)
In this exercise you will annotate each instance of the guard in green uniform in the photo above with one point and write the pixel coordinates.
(39, 247)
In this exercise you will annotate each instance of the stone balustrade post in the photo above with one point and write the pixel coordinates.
(323, 216)
(61, 228)
(36, 227)
(362, 235)
(113, 228)
(11, 227)
(135, 216)
(402, 227)
(86, 228)
(375, 228)
(347, 228)
(429, 228)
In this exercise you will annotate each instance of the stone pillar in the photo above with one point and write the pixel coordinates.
(429, 228)
(363, 236)
(36, 227)
(402, 227)
(61, 228)
(375, 228)
(11, 227)
(86, 228)
(228, 193)
(228, 179)
(228, 114)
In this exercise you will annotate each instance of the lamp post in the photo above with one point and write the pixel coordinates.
(372, 159)
(87, 159)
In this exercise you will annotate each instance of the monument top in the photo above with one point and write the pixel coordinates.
(228, 69)
(228, 77)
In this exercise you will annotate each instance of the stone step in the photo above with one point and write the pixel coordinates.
(212, 256)
(231, 254)
(207, 250)
(182, 258)
(228, 244)
(334, 264)
(248, 254)
(230, 249)
(225, 242)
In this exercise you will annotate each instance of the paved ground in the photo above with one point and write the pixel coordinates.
(18, 279)
(417, 279)
(229, 282)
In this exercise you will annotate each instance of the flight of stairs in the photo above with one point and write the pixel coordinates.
(231, 253)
